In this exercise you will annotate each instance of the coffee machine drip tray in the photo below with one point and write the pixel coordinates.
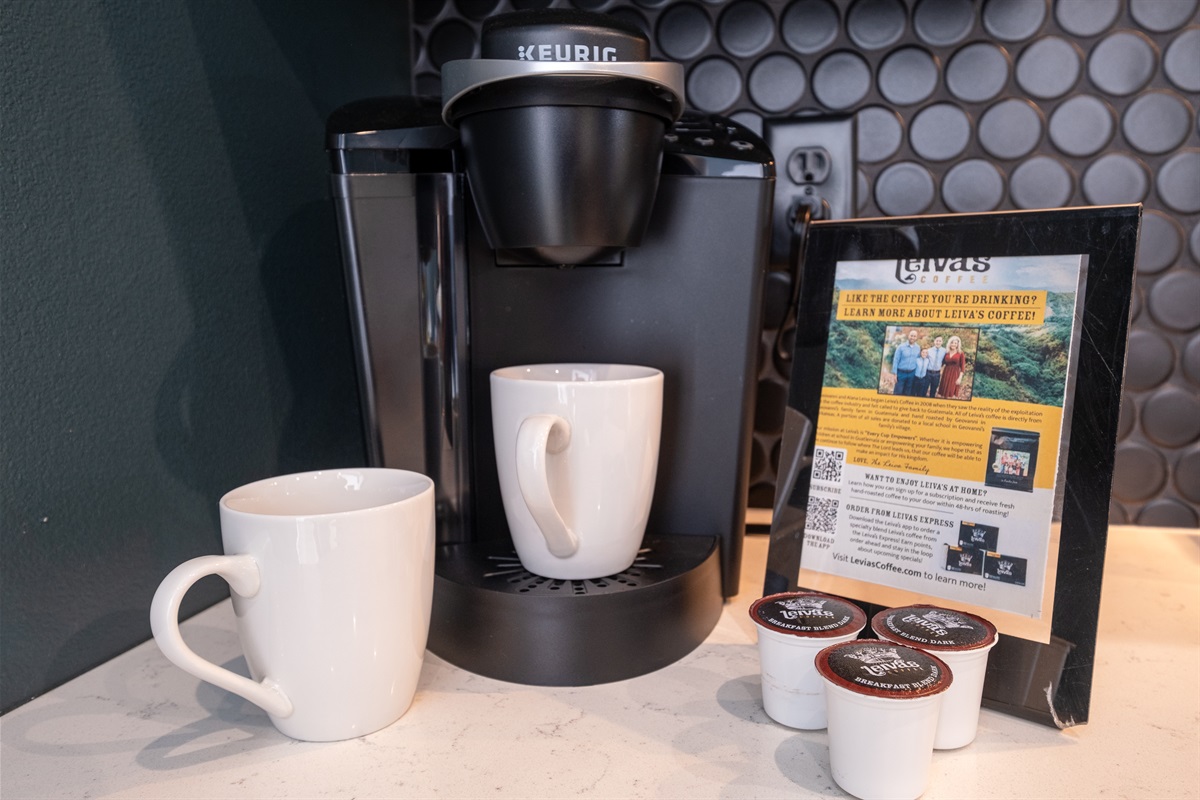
(494, 618)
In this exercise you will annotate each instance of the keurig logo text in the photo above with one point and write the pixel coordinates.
(565, 52)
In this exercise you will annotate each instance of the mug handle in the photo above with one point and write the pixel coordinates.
(241, 573)
(541, 435)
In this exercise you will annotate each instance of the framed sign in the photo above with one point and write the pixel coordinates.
(951, 426)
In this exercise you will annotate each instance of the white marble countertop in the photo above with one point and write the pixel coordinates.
(137, 727)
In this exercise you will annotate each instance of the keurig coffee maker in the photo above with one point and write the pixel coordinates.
(558, 205)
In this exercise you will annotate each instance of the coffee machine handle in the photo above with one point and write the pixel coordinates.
(541, 435)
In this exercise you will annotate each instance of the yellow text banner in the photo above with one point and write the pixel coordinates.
(989, 308)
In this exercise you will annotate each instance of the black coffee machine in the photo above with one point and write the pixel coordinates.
(558, 205)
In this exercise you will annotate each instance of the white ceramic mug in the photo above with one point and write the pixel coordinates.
(332, 583)
(577, 456)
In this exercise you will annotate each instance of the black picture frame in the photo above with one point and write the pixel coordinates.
(1049, 683)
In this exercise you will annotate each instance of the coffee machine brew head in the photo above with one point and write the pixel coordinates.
(562, 123)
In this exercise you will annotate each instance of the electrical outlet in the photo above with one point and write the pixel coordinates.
(816, 166)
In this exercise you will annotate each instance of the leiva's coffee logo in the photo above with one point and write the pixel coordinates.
(565, 52)
(936, 623)
(947, 619)
(796, 608)
(880, 661)
(908, 270)
(1005, 568)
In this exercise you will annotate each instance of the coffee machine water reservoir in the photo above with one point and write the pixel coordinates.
(558, 206)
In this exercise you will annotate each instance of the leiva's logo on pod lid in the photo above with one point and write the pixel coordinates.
(934, 628)
(883, 669)
(808, 614)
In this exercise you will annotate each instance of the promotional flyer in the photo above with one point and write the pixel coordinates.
(941, 429)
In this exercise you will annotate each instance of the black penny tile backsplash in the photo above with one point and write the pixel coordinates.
(961, 106)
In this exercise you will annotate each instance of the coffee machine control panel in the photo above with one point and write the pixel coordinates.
(704, 144)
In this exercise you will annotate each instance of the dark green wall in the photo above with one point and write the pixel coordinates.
(171, 306)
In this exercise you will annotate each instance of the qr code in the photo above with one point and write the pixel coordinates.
(827, 464)
(822, 514)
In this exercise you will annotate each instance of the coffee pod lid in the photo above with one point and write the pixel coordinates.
(883, 669)
(808, 614)
(934, 628)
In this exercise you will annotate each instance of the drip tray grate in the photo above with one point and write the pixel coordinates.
(509, 569)
(495, 618)
(495, 567)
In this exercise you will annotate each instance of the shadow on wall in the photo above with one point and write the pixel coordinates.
(222, 405)
(266, 383)
(197, 219)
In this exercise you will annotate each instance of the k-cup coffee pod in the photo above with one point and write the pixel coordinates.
(883, 701)
(960, 639)
(792, 628)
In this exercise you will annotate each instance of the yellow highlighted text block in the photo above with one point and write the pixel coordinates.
(928, 436)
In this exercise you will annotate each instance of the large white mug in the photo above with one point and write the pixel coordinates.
(332, 583)
(577, 456)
